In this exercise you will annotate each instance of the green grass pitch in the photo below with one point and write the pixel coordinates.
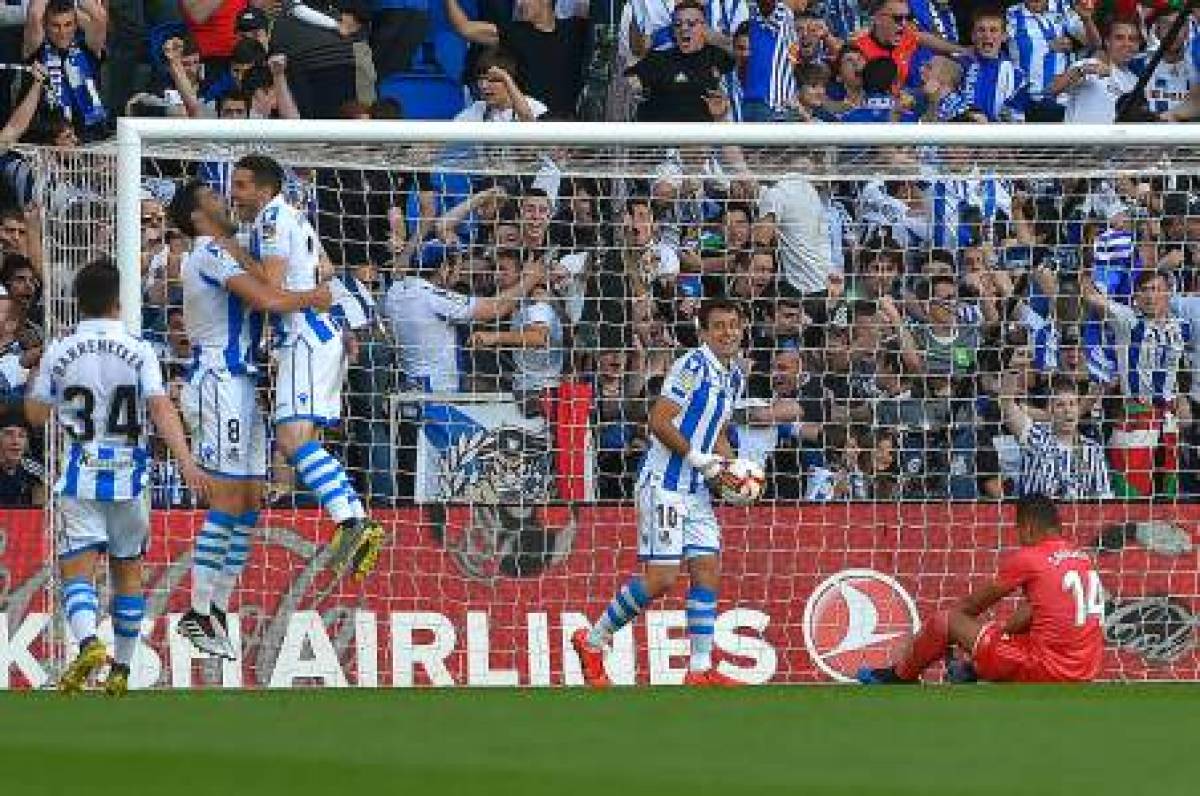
(1128, 740)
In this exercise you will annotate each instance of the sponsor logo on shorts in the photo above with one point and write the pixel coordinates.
(855, 618)
(1160, 628)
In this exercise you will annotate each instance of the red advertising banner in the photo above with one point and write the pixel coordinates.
(490, 596)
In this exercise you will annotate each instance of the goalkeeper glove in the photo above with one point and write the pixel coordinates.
(709, 464)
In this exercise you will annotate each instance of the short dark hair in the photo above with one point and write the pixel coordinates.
(236, 95)
(989, 12)
(737, 207)
(494, 56)
(185, 202)
(1148, 276)
(1064, 383)
(56, 7)
(248, 51)
(1039, 512)
(718, 304)
(98, 288)
(259, 77)
(11, 212)
(12, 263)
(684, 5)
(879, 75)
(266, 171)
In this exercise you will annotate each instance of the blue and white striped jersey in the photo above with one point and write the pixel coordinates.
(97, 379)
(282, 231)
(770, 73)
(223, 330)
(1029, 39)
(1149, 353)
(706, 393)
(1170, 83)
(996, 86)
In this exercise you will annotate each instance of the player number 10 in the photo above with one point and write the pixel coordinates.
(1088, 600)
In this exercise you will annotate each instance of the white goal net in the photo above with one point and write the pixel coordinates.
(924, 340)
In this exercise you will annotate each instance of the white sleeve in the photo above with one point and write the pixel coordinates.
(540, 314)
(771, 202)
(12, 374)
(313, 17)
(448, 305)
(1120, 317)
(151, 373)
(45, 389)
(1075, 27)
(273, 231)
(683, 378)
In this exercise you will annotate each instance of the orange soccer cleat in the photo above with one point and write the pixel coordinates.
(591, 660)
(710, 678)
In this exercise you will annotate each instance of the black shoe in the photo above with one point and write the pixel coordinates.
(959, 671)
(882, 676)
(198, 629)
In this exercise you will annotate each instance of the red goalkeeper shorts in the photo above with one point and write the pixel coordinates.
(1002, 658)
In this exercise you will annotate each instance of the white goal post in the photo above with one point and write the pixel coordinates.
(135, 134)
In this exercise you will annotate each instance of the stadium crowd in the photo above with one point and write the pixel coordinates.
(923, 338)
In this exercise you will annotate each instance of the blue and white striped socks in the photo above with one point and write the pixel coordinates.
(127, 613)
(325, 477)
(701, 615)
(82, 607)
(212, 546)
(236, 556)
(630, 601)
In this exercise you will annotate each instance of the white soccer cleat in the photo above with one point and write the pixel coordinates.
(200, 630)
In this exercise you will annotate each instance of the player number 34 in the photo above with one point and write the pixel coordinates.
(1089, 598)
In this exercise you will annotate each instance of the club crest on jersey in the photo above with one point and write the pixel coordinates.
(302, 398)
(855, 618)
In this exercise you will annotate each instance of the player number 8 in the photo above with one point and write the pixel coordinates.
(234, 431)
(1089, 600)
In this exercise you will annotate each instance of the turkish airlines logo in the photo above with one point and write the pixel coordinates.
(858, 617)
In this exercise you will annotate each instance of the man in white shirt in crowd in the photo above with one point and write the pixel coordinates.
(424, 312)
(791, 210)
(1095, 85)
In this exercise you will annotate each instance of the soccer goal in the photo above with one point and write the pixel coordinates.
(918, 298)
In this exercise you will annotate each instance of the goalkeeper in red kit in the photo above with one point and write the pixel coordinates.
(1055, 634)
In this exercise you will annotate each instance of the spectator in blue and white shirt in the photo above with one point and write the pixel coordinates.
(1177, 74)
(991, 82)
(1043, 35)
(769, 87)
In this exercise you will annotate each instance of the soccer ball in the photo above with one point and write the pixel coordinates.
(741, 481)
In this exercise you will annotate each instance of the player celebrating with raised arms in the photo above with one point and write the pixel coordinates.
(222, 309)
(1055, 634)
(99, 382)
(311, 362)
(689, 447)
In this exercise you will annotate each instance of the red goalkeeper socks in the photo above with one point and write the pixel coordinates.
(928, 646)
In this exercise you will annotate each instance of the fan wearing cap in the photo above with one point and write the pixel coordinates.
(425, 314)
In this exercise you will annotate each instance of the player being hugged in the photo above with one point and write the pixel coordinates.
(1055, 634)
(689, 447)
(311, 360)
(222, 310)
(99, 381)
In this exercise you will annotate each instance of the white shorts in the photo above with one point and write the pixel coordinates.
(118, 527)
(229, 434)
(308, 381)
(674, 525)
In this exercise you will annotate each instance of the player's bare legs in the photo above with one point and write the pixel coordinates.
(128, 608)
(221, 551)
(357, 541)
(82, 607)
